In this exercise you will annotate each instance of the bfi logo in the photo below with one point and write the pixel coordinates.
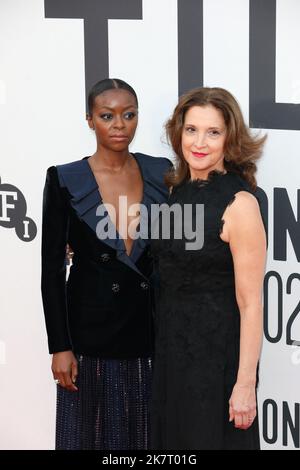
(13, 209)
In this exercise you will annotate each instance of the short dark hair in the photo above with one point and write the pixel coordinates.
(108, 84)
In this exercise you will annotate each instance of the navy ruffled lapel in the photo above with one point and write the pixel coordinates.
(82, 186)
(78, 178)
(153, 170)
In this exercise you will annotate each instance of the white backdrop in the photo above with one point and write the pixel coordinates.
(42, 122)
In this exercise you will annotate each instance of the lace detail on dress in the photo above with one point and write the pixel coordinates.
(212, 175)
(198, 330)
(222, 221)
(231, 201)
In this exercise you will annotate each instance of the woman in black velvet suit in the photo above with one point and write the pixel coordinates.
(99, 322)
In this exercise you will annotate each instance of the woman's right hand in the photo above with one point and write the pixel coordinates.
(65, 370)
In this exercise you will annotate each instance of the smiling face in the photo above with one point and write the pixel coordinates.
(114, 119)
(203, 139)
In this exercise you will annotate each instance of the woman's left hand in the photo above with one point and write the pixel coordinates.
(242, 405)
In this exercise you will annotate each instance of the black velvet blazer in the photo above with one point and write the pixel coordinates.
(104, 309)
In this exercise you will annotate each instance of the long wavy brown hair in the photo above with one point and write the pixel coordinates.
(241, 149)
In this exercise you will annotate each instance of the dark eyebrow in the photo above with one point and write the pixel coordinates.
(112, 109)
(209, 128)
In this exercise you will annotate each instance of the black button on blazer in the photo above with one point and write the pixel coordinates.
(104, 309)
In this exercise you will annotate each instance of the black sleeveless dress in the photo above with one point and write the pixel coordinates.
(198, 329)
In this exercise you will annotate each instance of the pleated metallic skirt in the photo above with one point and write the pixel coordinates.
(110, 410)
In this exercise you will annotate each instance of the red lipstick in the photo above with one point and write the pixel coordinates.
(199, 154)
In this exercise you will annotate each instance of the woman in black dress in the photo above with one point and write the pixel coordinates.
(209, 307)
(99, 323)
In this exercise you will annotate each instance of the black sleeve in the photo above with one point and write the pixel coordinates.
(169, 164)
(54, 240)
